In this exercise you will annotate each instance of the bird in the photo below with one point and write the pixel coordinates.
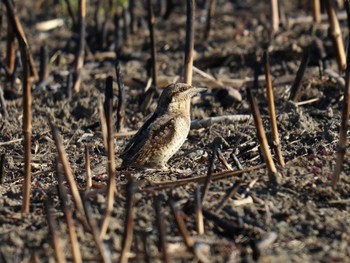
(162, 135)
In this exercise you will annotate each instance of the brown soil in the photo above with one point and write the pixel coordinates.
(301, 220)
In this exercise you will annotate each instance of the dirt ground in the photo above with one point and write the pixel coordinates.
(300, 220)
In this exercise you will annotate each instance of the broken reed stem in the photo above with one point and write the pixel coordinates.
(88, 169)
(44, 61)
(3, 105)
(68, 215)
(68, 172)
(129, 222)
(104, 254)
(271, 105)
(108, 110)
(18, 30)
(2, 164)
(229, 194)
(53, 228)
(189, 47)
(102, 122)
(342, 143)
(79, 58)
(210, 14)
(222, 159)
(274, 16)
(161, 230)
(121, 99)
(296, 87)
(151, 21)
(316, 10)
(199, 213)
(216, 144)
(182, 227)
(27, 127)
(262, 138)
(10, 47)
(223, 175)
(336, 33)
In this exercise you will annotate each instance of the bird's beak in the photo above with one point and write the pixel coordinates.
(195, 90)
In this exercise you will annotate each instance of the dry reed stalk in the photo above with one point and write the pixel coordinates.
(3, 105)
(210, 14)
(161, 230)
(182, 227)
(10, 48)
(262, 138)
(88, 169)
(274, 16)
(2, 165)
(344, 125)
(189, 47)
(108, 109)
(121, 99)
(68, 215)
(27, 127)
(68, 172)
(102, 122)
(44, 61)
(18, 30)
(199, 213)
(53, 228)
(216, 145)
(71, 13)
(129, 222)
(336, 33)
(296, 87)
(316, 10)
(79, 58)
(228, 195)
(271, 105)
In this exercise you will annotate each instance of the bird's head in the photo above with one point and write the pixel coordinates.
(177, 96)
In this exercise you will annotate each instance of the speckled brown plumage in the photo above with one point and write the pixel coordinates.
(164, 132)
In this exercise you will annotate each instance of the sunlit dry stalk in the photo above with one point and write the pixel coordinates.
(199, 179)
(102, 250)
(275, 20)
(199, 213)
(161, 230)
(227, 197)
(336, 33)
(108, 110)
(121, 99)
(223, 160)
(3, 105)
(296, 87)
(18, 30)
(10, 47)
(271, 105)
(27, 127)
(87, 169)
(189, 48)
(2, 164)
(129, 222)
(79, 57)
(68, 171)
(216, 145)
(68, 215)
(342, 143)
(316, 10)
(53, 227)
(44, 61)
(210, 14)
(262, 138)
(182, 227)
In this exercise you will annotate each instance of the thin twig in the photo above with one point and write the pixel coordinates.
(262, 138)
(199, 213)
(129, 222)
(336, 33)
(271, 104)
(296, 87)
(88, 169)
(189, 48)
(161, 230)
(108, 109)
(68, 215)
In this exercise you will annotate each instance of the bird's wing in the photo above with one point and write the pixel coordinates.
(146, 138)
